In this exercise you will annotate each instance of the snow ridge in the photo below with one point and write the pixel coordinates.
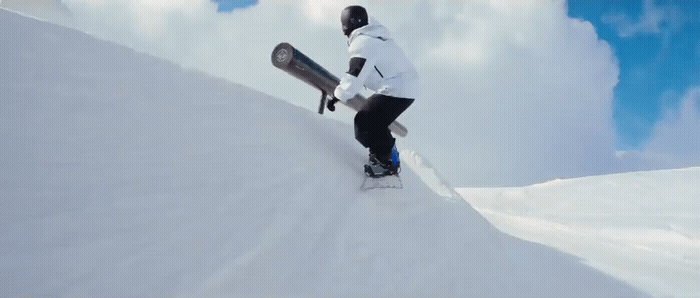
(425, 170)
(640, 226)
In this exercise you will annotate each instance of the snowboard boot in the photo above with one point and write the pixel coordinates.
(395, 160)
(373, 159)
(383, 165)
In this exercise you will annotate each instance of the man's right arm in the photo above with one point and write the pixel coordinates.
(361, 65)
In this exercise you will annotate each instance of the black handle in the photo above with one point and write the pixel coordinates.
(322, 105)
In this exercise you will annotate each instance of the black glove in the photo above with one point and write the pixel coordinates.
(331, 103)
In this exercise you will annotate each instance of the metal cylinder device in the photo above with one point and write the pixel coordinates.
(295, 63)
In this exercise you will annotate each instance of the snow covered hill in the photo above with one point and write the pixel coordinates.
(643, 227)
(122, 174)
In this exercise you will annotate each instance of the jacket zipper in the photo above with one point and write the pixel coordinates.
(379, 72)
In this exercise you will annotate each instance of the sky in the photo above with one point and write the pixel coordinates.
(657, 44)
(513, 92)
(231, 5)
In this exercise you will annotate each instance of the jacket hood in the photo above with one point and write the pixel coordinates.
(373, 29)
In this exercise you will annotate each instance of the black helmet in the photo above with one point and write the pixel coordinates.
(353, 17)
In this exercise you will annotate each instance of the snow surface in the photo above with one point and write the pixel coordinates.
(125, 175)
(643, 227)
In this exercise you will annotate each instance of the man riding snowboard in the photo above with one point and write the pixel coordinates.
(377, 63)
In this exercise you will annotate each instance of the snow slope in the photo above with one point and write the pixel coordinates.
(643, 227)
(122, 174)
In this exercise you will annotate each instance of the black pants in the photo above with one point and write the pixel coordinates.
(372, 122)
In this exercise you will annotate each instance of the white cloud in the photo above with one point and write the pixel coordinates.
(674, 141)
(461, 52)
(648, 21)
(513, 93)
(45, 9)
(676, 137)
(324, 11)
(537, 105)
(654, 19)
(150, 16)
(159, 6)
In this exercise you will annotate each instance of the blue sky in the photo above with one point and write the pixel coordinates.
(230, 5)
(657, 45)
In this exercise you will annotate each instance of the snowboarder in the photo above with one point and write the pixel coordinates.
(377, 63)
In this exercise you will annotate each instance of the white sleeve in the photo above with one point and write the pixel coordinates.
(351, 83)
(362, 64)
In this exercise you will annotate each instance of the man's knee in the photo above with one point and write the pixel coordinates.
(362, 120)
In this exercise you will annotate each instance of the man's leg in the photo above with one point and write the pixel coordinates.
(372, 123)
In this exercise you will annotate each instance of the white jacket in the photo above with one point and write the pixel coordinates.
(377, 62)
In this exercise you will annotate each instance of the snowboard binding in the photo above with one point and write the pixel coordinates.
(380, 167)
(383, 171)
(380, 170)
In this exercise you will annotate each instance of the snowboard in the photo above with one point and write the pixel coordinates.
(378, 181)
